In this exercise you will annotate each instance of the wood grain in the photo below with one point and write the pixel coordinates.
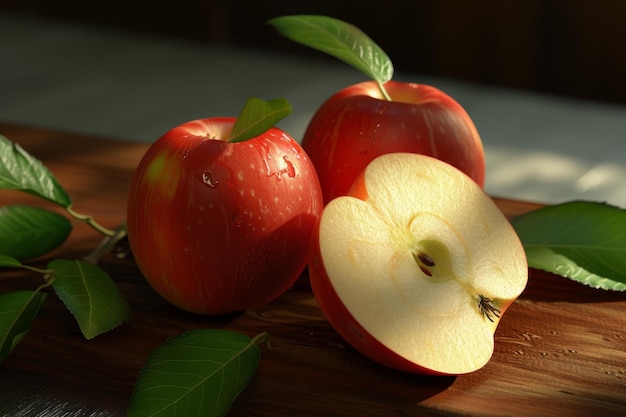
(560, 348)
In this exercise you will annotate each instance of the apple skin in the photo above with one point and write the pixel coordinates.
(218, 227)
(349, 327)
(356, 124)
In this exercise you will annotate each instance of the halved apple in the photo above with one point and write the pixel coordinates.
(416, 265)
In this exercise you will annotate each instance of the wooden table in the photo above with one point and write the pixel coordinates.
(560, 348)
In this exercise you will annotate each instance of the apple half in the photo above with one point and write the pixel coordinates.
(416, 265)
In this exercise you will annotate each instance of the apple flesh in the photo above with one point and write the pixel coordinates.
(357, 124)
(217, 227)
(416, 265)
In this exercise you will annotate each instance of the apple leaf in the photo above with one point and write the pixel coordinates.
(27, 232)
(583, 241)
(340, 39)
(257, 116)
(20, 171)
(197, 373)
(18, 309)
(90, 295)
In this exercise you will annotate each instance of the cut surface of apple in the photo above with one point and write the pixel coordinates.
(415, 267)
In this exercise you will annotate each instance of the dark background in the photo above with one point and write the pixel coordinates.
(566, 47)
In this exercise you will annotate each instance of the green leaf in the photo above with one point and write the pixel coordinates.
(18, 310)
(197, 373)
(90, 295)
(257, 116)
(7, 261)
(20, 171)
(342, 40)
(27, 232)
(583, 241)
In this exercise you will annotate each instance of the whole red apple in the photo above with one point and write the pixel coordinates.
(357, 124)
(217, 227)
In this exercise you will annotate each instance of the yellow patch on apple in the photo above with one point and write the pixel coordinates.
(163, 171)
(416, 266)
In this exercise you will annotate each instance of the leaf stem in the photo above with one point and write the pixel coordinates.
(105, 244)
(48, 280)
(263, 337)
(383, 91)
(44, 272)
(90, 221)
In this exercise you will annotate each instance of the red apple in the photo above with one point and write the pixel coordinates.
(416, 265)
(217, 227)
(357, 124)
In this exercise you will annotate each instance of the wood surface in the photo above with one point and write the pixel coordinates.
(560, 348)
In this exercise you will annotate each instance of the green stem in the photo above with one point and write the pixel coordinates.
(44, 272)
(384, 92)
(263, 337)
(48, 275)
(49, 280)
(105, 244)
(91, 222)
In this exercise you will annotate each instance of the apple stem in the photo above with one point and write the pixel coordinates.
(383, 91)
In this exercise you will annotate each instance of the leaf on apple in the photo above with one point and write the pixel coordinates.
(90, 295)
(340, 39)
(580, 240)
(20, 171)
(18, 309)
(27, 232)
(199, 372)
(257, 116)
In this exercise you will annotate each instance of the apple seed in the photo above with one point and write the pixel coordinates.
(426, 271)
(423, 261)
(487, 308)
(427, 260)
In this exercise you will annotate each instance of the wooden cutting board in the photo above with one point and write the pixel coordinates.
(560, 348)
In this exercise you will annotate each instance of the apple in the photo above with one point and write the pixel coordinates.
(357, 124)
(216, 226)
(416, 265)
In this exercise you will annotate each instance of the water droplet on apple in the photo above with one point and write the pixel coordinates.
(291, 170)
(207, 179)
